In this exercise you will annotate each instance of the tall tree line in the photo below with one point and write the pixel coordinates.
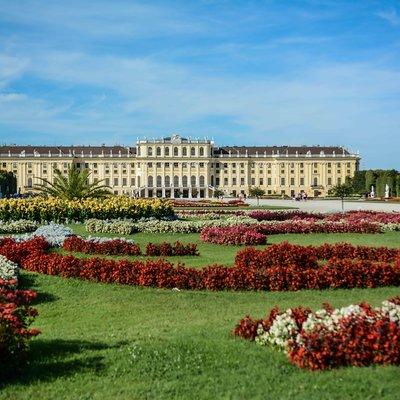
(363, 181)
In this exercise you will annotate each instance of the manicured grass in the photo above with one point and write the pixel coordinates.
(119, 342)
(225, 255)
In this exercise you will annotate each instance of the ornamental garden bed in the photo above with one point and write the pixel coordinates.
(281, 267)
(356, 335)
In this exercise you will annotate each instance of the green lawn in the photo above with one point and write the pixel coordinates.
(118, 342)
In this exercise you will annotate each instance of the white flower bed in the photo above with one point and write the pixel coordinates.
(160, 226)
(284, 327)
(100, 240)
(19, 226)
(8, 269)
(54, 234)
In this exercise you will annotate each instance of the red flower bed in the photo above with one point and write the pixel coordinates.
(278, 267)
(261, 215)
(208, 203)
(349, 216)
(15, 317)
(122, 247)
(168, 249)
(236, 235)
(111, 247)
(302, 226)
(353, 336)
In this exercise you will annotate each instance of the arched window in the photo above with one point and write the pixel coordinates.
(184, 151)
(201, 151)
(212, 180)
(202, 180)
(192, 151)
(159, 181)
(184, 181)
(193, 180)
(149, 151)
(166, 151)
(150, 181)
(158, 151)
(176, 181)
(29, 182)
(167, 181)
(175, 151)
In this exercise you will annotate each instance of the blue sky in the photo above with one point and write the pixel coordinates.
(242, 72)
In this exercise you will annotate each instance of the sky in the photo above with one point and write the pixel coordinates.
(285, 72)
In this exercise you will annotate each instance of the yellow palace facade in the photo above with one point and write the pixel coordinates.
(175, 167)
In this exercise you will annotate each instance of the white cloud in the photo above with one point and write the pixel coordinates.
(391, 16)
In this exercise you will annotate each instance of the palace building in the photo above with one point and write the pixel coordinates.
(190, 168)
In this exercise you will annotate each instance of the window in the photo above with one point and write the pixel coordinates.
(201, 165)
(193, 180)
(261, 181)
(166, 151)
(201, 151)
(29, 182)
(234, 181)
(159, 181)
(184, 181)
(269, 181)
(253, 181)
(329, 181)
(158, 151)
(167, 182)
(184, 152)
(158, 165)
(301, 181)
(107, 181)
(212, 180)
(192, 151)
(292, 181)
(123, 181)
(150, 165)
(216, 181)
(339, 181)
(242, 181)
(175, 151)
(150, 151)
(116, 182)
(226, 181)
(315, 181)
(282, 181)
(176, 181)
(133, 181)
(150, 181)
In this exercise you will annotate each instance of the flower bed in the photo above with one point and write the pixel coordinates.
(20, 226)
(54, 209)
(179, 203)
(266, 215)
(236, 235)
(121, 227)
(15, 318)
(357, 335)
(282, 273)
(107, 246)
(127, 247)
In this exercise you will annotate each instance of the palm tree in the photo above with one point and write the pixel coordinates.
(74, 185)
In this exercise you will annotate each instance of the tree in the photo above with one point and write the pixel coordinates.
(75, 185)
(358, 182)
(218, 193)
(370, 180)
(8, 183)
(342, 191)
(257, 192)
